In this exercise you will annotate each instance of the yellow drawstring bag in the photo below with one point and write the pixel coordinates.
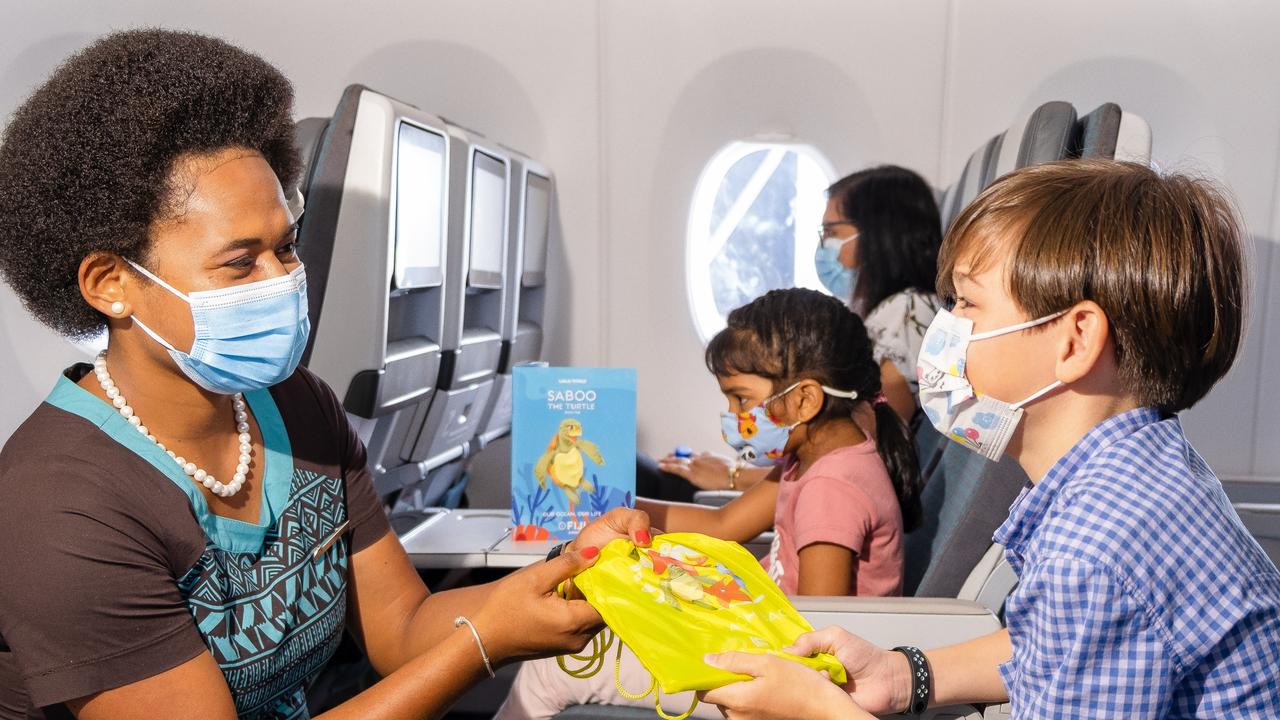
(687, 596)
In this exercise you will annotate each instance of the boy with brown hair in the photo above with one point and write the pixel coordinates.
(1104, 298)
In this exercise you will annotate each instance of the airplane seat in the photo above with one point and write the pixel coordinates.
(1110, 133)
(975, 176)
(308, 137)
(1099, 131)
(531, 193)
(372, 239)
(1133, 141)
(1257, 502)
(1043, 135)
(444, 433)
(965, 497)
(964, 500)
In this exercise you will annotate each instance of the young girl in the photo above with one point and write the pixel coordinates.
(794, 366)
(877, 252)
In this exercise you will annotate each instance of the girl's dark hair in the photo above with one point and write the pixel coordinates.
(798, 334)
(87, 162)
(899, 232)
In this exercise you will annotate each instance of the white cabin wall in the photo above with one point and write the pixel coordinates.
(1201, 75)
(523, 73)
(859, 81)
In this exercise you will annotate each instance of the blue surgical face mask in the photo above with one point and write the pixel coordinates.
(834, 275)
(247, 337)
(759, 437)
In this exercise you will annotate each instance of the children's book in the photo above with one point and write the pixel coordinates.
(573, 448)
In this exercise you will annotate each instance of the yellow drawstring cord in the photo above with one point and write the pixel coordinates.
(617, 679)
(594, 661)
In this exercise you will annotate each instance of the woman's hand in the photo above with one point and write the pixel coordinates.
(706, 470)
(623, 523)
(781, 689)
(524, 617)
(879, 680)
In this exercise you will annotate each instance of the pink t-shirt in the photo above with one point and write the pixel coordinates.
(846, 499)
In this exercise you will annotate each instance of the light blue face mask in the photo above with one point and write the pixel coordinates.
(759, 437)
(834, 275)
(247, 337)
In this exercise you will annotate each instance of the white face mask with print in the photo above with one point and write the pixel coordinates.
(980, 423)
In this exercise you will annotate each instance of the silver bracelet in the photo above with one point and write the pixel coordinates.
(459, 622)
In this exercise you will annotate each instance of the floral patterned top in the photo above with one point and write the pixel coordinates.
(896, 327)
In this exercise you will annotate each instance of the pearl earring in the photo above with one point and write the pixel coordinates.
(117, 307)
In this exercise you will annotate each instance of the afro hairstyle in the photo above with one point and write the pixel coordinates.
(87, 161)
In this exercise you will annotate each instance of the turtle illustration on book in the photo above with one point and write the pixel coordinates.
(563, 463)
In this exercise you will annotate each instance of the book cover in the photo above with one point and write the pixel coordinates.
(573, 448)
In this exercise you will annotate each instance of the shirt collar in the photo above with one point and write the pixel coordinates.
(1033, 503)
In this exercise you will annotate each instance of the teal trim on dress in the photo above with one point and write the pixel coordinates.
(229, 534)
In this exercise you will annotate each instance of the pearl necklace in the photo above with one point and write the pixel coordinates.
(200, 476)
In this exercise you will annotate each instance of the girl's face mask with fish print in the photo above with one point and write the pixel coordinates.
(758, 436)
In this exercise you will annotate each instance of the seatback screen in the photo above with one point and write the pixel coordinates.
(488, 220)
(419, 217)
(537, 219)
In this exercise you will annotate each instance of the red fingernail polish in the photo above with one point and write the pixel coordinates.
(590, 552)
(644, 537)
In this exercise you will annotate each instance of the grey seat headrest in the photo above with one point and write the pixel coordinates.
(1044, 135)
(1133, 141)
(1099, 131)
(1110, 133)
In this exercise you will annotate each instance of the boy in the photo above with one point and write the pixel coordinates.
(1093, 301)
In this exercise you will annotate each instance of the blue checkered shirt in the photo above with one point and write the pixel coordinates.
(1141, 594)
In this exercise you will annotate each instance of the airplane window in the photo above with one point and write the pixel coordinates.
(753, 226)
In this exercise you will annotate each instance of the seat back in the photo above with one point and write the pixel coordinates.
(966, 497)
(964, 501)
(532, 194)
(1110, 133)
(1043, 135)
(376, 325)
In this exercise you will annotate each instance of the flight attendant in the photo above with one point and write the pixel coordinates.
(187, 525)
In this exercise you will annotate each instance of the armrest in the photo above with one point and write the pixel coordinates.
(889, 622)
(715, 498)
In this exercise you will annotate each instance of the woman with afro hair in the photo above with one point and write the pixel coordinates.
(187, 526)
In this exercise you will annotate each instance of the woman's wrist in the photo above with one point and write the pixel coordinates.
(461, 621)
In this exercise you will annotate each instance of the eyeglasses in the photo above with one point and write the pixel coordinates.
(827, 230)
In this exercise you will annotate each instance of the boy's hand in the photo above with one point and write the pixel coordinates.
(879, 680)
(781, 689)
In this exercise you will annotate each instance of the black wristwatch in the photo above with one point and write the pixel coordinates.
(921, 680)
(555, 551)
